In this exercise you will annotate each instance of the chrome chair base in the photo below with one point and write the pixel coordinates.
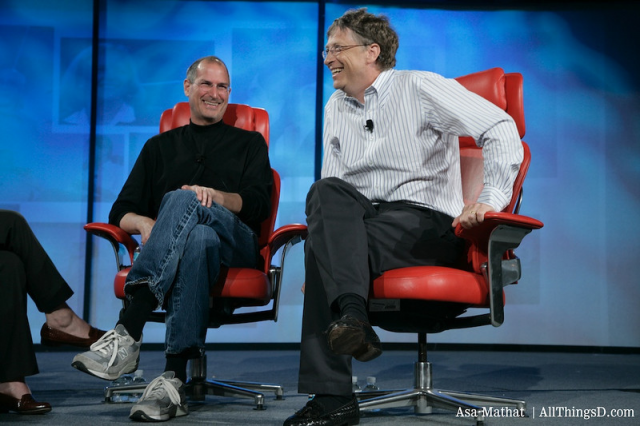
(424, 398)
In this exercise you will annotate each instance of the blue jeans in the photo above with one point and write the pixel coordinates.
(182, 259)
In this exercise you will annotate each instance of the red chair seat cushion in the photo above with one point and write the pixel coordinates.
(435, 283)
(243, 283)
(234, 283)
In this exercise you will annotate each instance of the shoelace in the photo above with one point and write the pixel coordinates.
(161, 385)
(110, 338)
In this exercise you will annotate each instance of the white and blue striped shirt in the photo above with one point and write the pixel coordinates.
(412, 153)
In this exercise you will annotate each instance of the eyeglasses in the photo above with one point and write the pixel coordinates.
(335, 50)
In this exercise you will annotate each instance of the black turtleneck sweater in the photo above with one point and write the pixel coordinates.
(217, 156)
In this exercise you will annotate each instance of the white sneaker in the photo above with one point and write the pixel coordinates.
(163, 399)
(115, 354)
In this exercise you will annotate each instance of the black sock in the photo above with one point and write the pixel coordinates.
(332, 402)
(143, 302)
(353, 305)
(178, 364)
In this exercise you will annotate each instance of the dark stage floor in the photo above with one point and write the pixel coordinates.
(571, 385)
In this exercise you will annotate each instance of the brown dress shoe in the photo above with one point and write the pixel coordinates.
(350, 336)
(24, 405)
(51, 337)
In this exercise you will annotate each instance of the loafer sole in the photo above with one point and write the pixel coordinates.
(25, 405)
(42, 410)
(347, 415)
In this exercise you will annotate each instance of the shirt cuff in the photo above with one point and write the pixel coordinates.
(494, 197)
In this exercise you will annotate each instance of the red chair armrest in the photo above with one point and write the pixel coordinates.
(479, 234)
(285, 233)
(478, 237)
(114, 235)
(490, 243)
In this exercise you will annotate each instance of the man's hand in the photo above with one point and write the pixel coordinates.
(205, 195)
(145, 226)
(472, 215)
(137, 224)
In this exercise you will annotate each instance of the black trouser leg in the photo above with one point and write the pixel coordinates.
(44, 283)
(321, 371)
(25, 268)
(17, 356)
(351, 241)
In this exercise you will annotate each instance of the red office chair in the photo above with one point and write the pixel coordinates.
(431, 299)
(237, 287)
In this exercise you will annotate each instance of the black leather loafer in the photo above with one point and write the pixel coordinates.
(350, 336)
(24, 405)
(312, 415)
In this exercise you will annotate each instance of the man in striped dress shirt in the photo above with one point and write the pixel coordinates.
(390, 197)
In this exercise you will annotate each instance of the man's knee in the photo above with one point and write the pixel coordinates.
(179, 195)
(324, 186)
(333, 192)
(14, 219)
(175, 201)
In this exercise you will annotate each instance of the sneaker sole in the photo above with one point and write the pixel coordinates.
(129, 368)
(143, 416)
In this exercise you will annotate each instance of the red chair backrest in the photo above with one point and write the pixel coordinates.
(236, 115)
(244, 117)
(505, 91)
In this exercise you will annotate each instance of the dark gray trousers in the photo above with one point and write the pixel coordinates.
(25, 269)
(351, 242)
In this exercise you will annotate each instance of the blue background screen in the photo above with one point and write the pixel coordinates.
(580, 73)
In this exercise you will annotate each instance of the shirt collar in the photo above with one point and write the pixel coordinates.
(382, 83)
(206, 128)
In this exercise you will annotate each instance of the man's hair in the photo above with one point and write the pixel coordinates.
(192, 71)
(367, 29)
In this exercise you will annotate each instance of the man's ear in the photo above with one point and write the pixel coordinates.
(187, 85)
(373, 51)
